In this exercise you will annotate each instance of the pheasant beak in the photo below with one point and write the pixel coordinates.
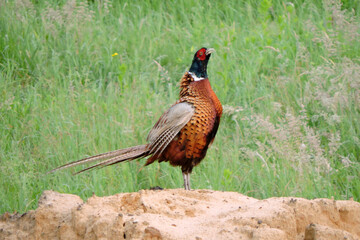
(209, 51)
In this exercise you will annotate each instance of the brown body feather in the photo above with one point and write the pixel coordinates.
(189, 147)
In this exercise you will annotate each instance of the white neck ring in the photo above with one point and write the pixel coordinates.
(195, 77)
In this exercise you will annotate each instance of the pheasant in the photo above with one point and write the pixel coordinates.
(183, 133)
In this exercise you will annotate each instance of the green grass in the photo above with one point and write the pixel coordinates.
(287, 73)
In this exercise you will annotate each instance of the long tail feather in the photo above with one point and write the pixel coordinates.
(123, 154)
(134, 153)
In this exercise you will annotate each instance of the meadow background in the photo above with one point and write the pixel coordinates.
(78, 78)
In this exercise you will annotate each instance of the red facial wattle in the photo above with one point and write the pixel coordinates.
(201, 54)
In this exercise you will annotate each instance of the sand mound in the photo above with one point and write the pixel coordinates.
(180, 214)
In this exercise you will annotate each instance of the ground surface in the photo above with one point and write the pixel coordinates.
(180, 214)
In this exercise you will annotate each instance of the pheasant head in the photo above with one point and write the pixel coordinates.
(198, 68)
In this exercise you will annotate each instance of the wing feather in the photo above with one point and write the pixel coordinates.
(169, 125)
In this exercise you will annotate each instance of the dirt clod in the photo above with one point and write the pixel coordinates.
(180, 214)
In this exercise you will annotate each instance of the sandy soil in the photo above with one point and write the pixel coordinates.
(180, 214)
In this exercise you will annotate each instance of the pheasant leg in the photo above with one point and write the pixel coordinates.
(186, 177)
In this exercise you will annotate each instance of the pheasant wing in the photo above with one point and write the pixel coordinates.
(169, 125)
